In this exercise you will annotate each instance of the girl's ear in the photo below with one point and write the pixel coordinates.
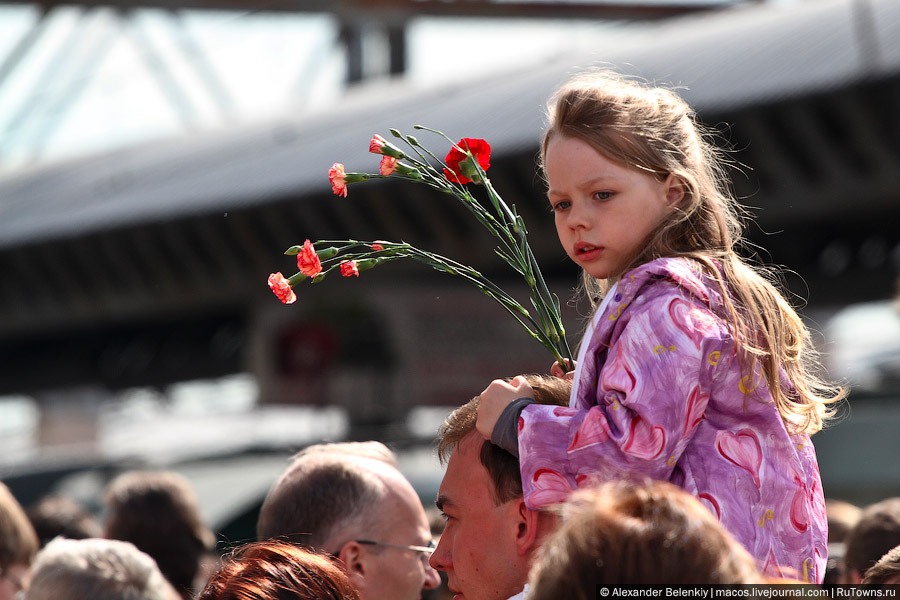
(675, 190)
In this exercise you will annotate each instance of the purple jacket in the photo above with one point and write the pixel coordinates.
(661, 396)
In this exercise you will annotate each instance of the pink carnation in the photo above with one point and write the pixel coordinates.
(388, 165)
(308, 261)
(349, 269)
(377, 144)
(282, 288)
(336, 177)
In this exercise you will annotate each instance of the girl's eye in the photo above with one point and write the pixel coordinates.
(560, 206)
(602, 195)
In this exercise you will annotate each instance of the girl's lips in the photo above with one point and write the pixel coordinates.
(587, 252)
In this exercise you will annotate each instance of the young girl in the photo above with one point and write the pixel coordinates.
(694, 369)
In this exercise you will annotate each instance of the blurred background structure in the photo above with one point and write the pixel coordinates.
(157, 157)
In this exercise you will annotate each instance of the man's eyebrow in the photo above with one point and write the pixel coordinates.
(441, 501)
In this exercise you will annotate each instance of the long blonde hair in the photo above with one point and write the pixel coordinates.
(652, 129)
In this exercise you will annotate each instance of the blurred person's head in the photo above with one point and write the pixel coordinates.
(624, 533)
(61, 516)
(18, 545)
(96, 569)
(350, 500)
(490, 537)
(276, 570)
(886, 571)
(842, 517)
(876, 533)
(157, 511)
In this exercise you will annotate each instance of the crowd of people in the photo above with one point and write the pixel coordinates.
(676, 448)
(342, 523)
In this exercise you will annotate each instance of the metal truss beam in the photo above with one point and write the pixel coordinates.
(437, 8)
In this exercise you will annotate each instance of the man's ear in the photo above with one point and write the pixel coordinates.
(354, 561)
(528, 528)
(675, 190)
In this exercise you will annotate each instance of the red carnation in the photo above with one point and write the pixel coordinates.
(460, 166)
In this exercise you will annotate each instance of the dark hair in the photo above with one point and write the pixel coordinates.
(157, 511)
(502, 466)
(275, 570)
(876, 532)
(54, 516)
(630, 533)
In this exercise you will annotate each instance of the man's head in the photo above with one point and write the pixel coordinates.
(491, 537)
(350, 500)
(875, 533)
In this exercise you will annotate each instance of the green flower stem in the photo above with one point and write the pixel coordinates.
(547, 329)
(500, 219)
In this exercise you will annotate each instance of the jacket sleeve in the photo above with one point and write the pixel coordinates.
(651, 393)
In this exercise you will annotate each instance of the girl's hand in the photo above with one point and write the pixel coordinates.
(557, 371)
(497, 396)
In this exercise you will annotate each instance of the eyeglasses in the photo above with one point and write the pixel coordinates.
(426, 550)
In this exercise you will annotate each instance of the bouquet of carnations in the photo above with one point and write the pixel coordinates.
(466, 163)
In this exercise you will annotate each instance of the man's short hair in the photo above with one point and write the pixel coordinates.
(876, 532)
(327, 488)
(96, 568)
(886, 570)
(502, 466)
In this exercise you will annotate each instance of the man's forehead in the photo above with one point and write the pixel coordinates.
(465, 476)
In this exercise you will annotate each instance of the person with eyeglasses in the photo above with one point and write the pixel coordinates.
(350, 500)
(18, 546)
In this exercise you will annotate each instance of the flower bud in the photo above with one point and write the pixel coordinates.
(378, 145)
(366, 264)
(407, 170)
(327, 253)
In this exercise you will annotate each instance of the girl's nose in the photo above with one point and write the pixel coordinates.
(577, 217)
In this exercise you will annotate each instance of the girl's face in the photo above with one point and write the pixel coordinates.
(603, 210)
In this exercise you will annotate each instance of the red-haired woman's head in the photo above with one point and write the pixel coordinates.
(275, 570)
